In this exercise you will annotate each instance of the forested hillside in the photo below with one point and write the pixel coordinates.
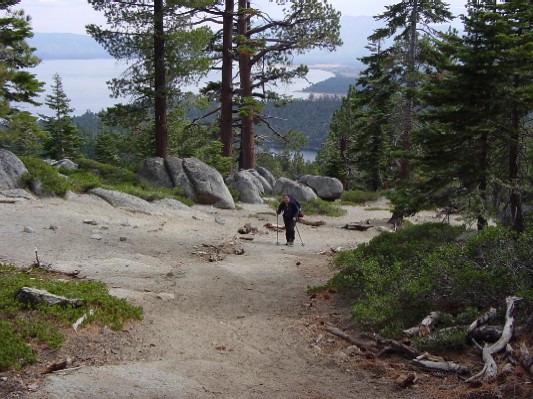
(310, 117)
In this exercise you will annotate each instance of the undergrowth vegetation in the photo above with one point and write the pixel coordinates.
(27, 329)
(358, 197)
(397, 279)
(91, 174)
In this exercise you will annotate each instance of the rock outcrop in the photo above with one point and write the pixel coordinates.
(327, 188)
(11, 171)
(299, 190)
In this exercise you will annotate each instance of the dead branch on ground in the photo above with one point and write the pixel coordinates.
(490, 368)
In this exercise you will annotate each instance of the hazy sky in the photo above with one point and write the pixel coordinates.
(71, 16)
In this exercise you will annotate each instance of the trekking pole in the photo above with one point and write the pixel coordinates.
(277, 228)
(296, 225)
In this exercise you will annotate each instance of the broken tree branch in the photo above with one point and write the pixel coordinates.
(346, 337)
(490, 368)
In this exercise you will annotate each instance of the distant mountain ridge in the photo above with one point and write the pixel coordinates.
(354, 33)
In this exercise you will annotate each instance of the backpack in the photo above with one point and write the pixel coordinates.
(293, 199)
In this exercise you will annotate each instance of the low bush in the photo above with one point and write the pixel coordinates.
(398, 278)
(52, 183)
(359, 197)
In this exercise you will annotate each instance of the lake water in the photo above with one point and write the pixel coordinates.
(84, 82)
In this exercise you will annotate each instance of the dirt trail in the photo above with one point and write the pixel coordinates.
(237, 328)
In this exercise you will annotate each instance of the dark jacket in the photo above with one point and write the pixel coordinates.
(289, 210)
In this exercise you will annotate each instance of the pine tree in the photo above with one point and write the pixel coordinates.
(156, 38)
(263, 47)
(477, 109)
(17, 84)
(63, 137)
(409, 22)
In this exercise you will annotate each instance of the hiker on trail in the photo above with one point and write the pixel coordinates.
(291, 211)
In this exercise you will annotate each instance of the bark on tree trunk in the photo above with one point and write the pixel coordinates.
(517, 216)
(245, 71)
(226, 95)
(161, 137)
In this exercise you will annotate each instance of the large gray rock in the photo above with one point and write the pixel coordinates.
(267, 175)
(249, 188)
(208, 185)
(66, 163)
(291, 187)
(179, 177)
(266, 186)
(11, 171)
(123, 200)
(327, 188)
(153, 172)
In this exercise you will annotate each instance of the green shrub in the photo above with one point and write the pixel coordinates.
(359, 197)
(397, 278)
(52, 183)
(322, 208)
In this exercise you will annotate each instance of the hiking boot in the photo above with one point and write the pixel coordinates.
(291, 243)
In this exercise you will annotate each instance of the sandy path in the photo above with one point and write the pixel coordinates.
(238, 328)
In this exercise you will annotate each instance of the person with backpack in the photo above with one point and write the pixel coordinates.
(291, 212)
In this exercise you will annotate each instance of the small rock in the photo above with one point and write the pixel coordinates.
(96, 237)
(53, 227)
(340, 356)
(125, 223)
(220, 220)
(90, 221)
(28, 229)
(166, 297)
(3, 379)
(122, 238)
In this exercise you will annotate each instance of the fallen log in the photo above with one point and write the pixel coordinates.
(275, 227)
(311, 223)
(425, 327)
(442, 366)
(357, 226)
(393, 346)
(526, 360)
(490, 368)
(346, 337)
(483, 319)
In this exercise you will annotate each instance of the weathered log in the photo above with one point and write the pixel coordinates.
(490, 368)
(425, 326)
(8, 201)
(311, 223)
(526, 360)
(394, 346)
(346, 337)
(487, 333)
(442, 366)
(357, 226)
(34, 296)
(275, 227)
(483, 319)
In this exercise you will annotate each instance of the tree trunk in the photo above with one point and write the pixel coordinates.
(245, 72)
(226, 95)
(161, 136)
(517, 216)
(482, 222)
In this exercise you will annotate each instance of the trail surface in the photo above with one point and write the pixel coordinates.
(241, 327)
